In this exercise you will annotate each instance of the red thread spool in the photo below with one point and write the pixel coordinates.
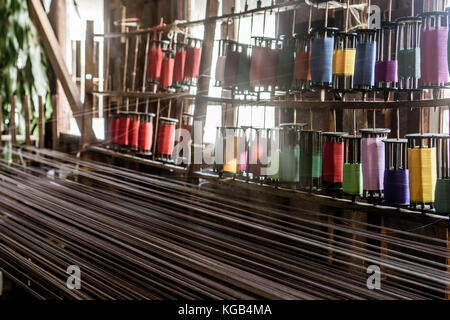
(166, 137)
(180, 63)
(193, 58)
(134, 131)
(333, 161)
(113, 129)
(146, 133)
(167, 70)
(124, 127)
(156, 60)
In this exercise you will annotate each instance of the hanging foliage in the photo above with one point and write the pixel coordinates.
(23, 65)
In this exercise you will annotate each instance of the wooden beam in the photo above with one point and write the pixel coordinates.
(41, 124)
(55, 136)
(53, 51)
(12, 121)
(88, 107)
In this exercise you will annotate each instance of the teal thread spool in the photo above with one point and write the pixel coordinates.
(286, 63)
(352, 183)
(273, 153)
(409, 71)
(290, 152)
(243, 77)
(442, 195)
(311, 159)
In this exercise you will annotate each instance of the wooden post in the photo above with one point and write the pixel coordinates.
(13, 121)
(26, 106)
(55, 137)
(53, 51)
(212, 7)
(1, 117)
(41, 124)
(86, 137)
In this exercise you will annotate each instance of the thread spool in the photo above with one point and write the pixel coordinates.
(231, 64)
(442, 194)
(290, 152)
(364, 77)
(302, 70)
(220, 65)
(114, 129)
(352, 181)
(167, 68)
(257, 153)
(133, 140)
(257, 62)
(180, 63)
(124, 128)
(273, 153)
(146, 133)
(396, 175)
(433, 46)
(243, 77)
(311, 148)
(422, 169)
(156, 59)
(269, 67)
(166, 138)
(373, 160)
(193, 59)
(286, 63)
(386, 66)
(409, 68)
(226, 149)
(333, 159)
(322, 48)
(344, 61)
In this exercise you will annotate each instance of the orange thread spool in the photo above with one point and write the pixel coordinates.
(124, 127)
(146, 133)
(302, 67)
(134, 132)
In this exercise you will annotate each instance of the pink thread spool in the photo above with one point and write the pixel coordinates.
(373, 161)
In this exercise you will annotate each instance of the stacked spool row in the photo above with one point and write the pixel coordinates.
(409, 54)
(170, 67)
(137, 133)
(405, 172)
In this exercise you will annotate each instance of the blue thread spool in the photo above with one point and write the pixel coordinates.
(409, 53)
(364, 78)
(386, 68)
(343, 81)
(322, 57)
(396, 175)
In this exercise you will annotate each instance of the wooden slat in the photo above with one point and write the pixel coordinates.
(12, 122)
(41, 124)
(26, 106)
(53, 51)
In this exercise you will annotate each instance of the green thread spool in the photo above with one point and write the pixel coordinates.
(442, 201)
(311, 159)
(243, 77)
(290, 164)
(353, 180)
(409, 63)
(317, 166)
(286, 61)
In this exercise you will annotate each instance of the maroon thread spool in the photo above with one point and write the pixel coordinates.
(166, 138)
(113, 130)
(146, 133)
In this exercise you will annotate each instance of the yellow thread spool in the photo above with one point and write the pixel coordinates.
(422, 174)
(231, 166)
(344, 62)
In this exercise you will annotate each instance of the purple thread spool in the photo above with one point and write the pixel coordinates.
(373, 160)
(409, 73)
(386, 76)
(434, 51)
(396, 175)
